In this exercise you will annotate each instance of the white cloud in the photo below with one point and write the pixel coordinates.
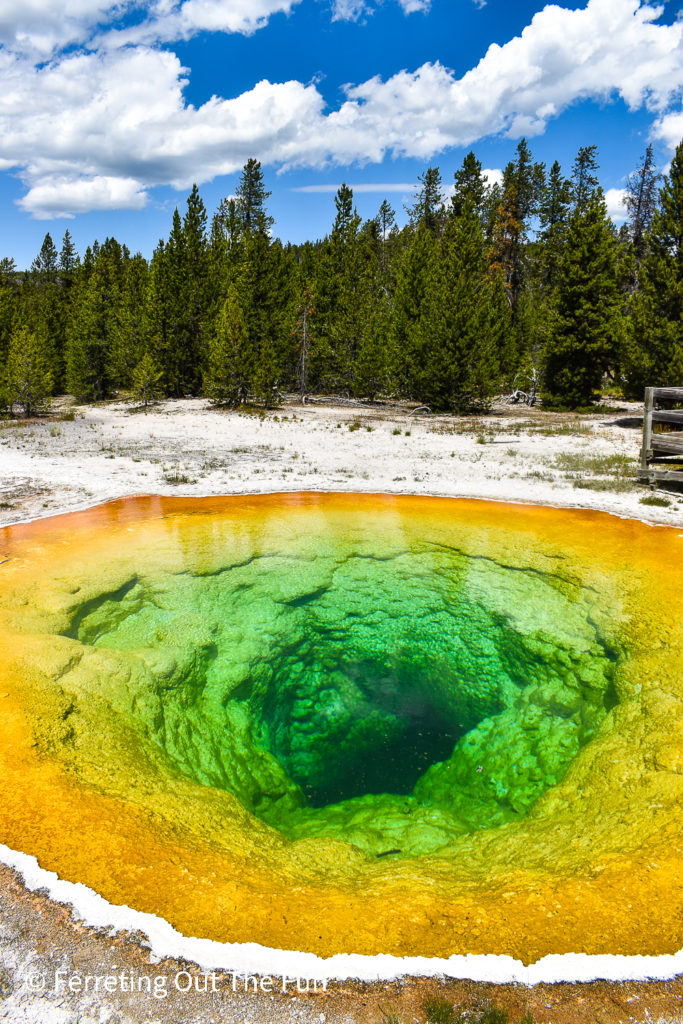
(60, 197)
(372, 187)
(349, 10)
(73, 127)
(91, 119)
(40, 26)
(493, 177)
(415, 6)
(354, 10)
(615, 198)
(669, 128)
(611, 47)
(169, 21)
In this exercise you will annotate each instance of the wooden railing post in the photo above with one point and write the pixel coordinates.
(646, 452)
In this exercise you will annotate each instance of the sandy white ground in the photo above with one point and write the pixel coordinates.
(188, 448)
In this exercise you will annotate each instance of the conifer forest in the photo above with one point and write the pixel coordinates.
(523, 285)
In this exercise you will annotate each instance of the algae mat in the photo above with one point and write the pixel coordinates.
(352, 723)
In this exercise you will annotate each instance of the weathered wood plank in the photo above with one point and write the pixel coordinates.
(672, 394)
(654, 475)
(667, 443)
(667, 416)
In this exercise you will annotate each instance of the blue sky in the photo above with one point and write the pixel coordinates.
(110, 109)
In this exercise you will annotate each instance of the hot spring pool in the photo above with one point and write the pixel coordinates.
(346, 723)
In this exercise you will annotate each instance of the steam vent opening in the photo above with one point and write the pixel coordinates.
(343, 723)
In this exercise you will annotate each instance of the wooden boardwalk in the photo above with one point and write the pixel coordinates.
(662, 451)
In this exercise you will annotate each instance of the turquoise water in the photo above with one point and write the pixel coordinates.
(398, 698)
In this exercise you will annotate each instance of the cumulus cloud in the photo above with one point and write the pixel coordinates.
(169, 21)
(611, 47)
(95, 119)
(65, 197)
(615, 198)
(41, 26)
(493, 176)
(75, 126)
(669, 128)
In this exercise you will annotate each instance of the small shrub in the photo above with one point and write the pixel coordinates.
(492, 1015)
(439, 1011)
(175, 475)
(654, 499)
(396, 430)
(390, 1016)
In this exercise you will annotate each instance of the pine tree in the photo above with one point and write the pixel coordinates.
(28, 378)
(536, 312)
(504, 250)
(336, 286)
(194, 280)
(251, 199)
(95, 323)
(584, 178)
(553, 213)
(654, 349)
(44, 310)
(133, 336)
(587, 329)
(146, 381)
(469, 186)
(68, 256)
(346, 220)
(45, 264)
(230, 362)
(305, 338)
(522, 189)
(266, 290)
(179, 299)
(427, 209)
(386, 220)
(641, 202)
(414, 280)
(9, 303)
(372, 315)
(463, 324)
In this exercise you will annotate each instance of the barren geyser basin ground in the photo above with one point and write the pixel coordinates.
(352, 723)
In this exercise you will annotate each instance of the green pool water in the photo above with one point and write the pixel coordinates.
(395, 698)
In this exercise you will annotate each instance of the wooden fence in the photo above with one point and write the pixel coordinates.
(662, 449)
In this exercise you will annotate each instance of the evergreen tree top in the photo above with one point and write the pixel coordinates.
(250, 199)
(45, 263)
(68, 256)
(470, 185)
(427, 208)
(584, 177)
